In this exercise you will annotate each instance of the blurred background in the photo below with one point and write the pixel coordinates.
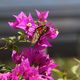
(65, 14)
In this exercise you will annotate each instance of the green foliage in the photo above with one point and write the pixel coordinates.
(76, 69)
(69, 69)
(11, 42)
(61, 75)
(4, 69)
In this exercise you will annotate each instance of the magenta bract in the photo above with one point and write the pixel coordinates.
(32, 63)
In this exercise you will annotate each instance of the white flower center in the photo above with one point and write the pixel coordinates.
(29, 24)
(57, 32)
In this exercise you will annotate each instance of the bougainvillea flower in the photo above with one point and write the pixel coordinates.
(42, 43)
(30, 26)
(4, 76)
(42, 15)
(24, 70)
(52, 32)
(39, 59)
(18, 71)
(33, 63)
(25, 23)
(18, 20)
(20, 17)
(16, 57)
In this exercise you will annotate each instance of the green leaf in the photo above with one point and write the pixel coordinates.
(12, 38)
(77, 60)
(62, 75)
(76, 70)
(60, 79)
(2, 65)
(58, 72)
(20, 32)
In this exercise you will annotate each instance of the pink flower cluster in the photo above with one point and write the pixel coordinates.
(33, 63)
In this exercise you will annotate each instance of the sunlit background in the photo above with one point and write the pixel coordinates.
(64, 13)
